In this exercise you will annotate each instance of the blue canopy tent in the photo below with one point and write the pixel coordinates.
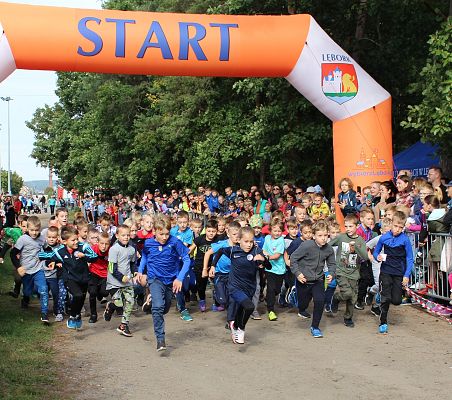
(416, 158)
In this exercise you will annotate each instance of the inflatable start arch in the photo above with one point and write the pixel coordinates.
(293, 47)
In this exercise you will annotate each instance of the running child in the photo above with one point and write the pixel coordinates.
(121, 271)
(307, 264)
(396, 265)
(245, 258)
(161, 257)
(74, 258)
(97, 284)
(274, 248)
(24, 256)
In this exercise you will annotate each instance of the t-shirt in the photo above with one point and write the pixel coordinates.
(185, 237)
(122, 256)
(224, 263)
(29, 249)
(273, 246)
(202, 246)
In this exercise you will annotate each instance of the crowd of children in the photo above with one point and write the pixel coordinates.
(253, 246)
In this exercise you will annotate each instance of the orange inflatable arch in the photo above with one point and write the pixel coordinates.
(293, 47)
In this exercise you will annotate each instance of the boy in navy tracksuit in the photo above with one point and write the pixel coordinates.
(161, 257)
(74, 258)
(245, 261)
(396, 264)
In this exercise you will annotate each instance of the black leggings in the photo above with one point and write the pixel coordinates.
(201, 284)
(244, 311)
(78, 291)
(307, 291)
(274, 284)
(97, 290)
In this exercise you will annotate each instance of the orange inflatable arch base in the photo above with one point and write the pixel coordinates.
(294, 47)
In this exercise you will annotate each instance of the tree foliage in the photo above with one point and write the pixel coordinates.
(134, 132)
(433, 115)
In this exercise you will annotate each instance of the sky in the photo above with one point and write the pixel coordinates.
(29, 91)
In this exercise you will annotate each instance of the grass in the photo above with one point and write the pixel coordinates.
(27, 366)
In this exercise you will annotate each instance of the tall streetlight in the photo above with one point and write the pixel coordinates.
(8, 99)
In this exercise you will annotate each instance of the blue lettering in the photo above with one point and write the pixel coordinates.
(186, 41)
(161, 43)
(120, 34)
(91, 36)
(224, 39)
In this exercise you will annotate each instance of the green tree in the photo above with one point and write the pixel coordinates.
(16, 182)
(432, 117)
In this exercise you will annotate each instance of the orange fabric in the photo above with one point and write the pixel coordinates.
(362, 147)
(48, 38)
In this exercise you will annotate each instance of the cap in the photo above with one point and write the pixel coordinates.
(256, 220)
(310, 189)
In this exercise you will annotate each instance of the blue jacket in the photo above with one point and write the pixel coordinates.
(162, 261)
(399, 254)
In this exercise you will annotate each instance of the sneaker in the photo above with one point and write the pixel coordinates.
(240, 336)
(108, 312)
(234, 333)
(124, 330)
(202, 305)
(375, 310)
(71, 323)
(316, 332)
(78, 322)
(185, 316)
(256, 316)
(216, 308)
(161, 346)
(359, 305)
(349, 323)
(368, 300)
(45, 319)
(383, 329)
(272, 316)
(304, 315)
(59, 318)
(93, 319)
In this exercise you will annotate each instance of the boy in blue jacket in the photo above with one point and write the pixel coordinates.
(161, 258)
(396, 264)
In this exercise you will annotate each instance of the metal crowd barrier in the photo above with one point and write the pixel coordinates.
(432, 265)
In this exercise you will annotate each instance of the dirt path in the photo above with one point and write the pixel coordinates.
(279, 361)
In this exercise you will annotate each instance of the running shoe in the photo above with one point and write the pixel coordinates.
(202, 305)
(45, 319)
(304, 315)
(359, 305)
(185, 316)
(71, 323)
(348, 322)
(316, 332)
(124, 330)
(108, 312)
(256, 316)
(59, 318)
(161, 346)
(383, 329)
(240, 336)
(375, 310)
(272, 316)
